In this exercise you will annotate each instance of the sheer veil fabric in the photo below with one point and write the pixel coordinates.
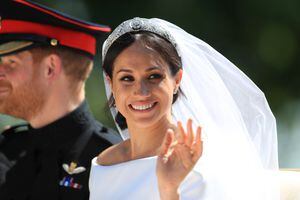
(240, 138)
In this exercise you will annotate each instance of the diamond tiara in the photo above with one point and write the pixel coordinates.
(134, 25)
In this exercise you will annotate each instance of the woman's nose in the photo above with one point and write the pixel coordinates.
(142, 88)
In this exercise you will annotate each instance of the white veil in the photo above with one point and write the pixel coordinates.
(240, 130)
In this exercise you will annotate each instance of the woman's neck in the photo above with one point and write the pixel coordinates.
(146, 141)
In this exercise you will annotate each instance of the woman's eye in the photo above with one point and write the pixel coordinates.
(127, 78)
(155, 76)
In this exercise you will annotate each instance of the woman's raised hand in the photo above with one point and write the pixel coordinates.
(178, 155)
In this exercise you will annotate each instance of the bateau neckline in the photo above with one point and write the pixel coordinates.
(94, 161)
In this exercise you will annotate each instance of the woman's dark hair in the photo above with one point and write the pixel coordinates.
(150, 41)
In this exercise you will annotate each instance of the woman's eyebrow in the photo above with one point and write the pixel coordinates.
(154, 68)
(124, 70)
(148, 69)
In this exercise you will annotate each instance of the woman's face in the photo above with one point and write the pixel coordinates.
(143, 86)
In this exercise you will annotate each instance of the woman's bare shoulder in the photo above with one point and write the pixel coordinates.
(113, 155)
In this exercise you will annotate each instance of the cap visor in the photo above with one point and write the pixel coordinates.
(13, 46)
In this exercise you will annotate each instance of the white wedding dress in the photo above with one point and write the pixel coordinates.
(136, 180)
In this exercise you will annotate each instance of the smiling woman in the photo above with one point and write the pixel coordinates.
(147, 63)
(144, 86)
(153, 72)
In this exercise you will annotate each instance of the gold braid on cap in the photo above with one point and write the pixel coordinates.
(134, 25)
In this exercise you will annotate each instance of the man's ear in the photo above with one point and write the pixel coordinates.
(52, 66)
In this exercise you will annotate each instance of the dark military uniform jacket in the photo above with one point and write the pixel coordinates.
(52, 162)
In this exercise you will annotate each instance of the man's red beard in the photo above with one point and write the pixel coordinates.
(24, 102)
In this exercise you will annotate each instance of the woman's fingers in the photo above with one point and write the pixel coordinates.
(186, 145)
(167, 141)
(189, 155)
(167, 144)
(181, 136)
(185, 155)
(197, 146)
(190, 133)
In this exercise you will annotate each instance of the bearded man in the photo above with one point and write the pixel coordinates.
(45, 59)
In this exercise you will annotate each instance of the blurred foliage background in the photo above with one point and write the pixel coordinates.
(260, 36)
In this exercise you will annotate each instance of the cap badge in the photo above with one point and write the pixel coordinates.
(54, 42)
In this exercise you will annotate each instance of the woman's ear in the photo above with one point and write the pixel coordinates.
(111, 100)
(52, 66)
(109, 81)
(178, 78)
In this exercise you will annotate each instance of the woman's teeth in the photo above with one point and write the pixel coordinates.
(143, 107)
